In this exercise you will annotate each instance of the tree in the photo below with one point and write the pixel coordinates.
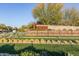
(31, 26)
(71, 17)
(9, 28)
(48, 14)
(3, 26)
(23, 28)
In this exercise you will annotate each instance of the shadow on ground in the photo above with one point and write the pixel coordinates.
(42, 52)
(7, 48)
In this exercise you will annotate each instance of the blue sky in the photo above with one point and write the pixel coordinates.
(20, 14)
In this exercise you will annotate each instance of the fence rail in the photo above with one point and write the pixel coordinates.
(34, 33)
(52, 33)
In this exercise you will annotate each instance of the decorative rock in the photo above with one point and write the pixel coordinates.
(43, 41)
(65, 42)
(48, 42)
(54, 42)
(36, 41)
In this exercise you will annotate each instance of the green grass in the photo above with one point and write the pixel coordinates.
(54, 37)
(73, 49)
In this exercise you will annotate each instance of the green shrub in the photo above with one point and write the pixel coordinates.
(29, 53)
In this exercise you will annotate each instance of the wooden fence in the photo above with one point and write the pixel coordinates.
(52, 33)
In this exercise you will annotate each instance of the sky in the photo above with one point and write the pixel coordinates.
(18, 14)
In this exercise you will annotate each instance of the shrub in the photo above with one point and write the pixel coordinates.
(29, 53)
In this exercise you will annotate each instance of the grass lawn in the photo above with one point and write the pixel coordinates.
(73, 49)
(53, 38)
